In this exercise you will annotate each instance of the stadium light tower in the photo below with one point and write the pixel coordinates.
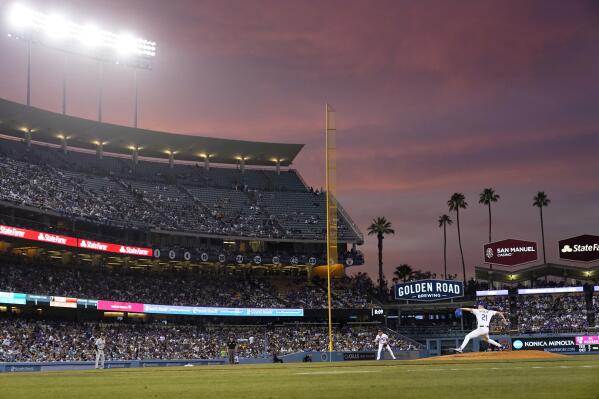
(55, 31)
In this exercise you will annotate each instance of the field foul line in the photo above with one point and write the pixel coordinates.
(501, 368)
(338, 372)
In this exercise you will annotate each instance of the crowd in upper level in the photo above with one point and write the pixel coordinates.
(219, 201)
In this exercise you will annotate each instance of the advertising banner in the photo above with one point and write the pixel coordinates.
(13, 298)
(37, 236)
(348, 356)
(556, 290)
(38, 299)
(121, 306)
(87, 303)
(114, 248)
(584, 248)
(33, 235)
(429, 290)
(547, 344)
(216, 311)
(492, 293)
(510, 252)
(63, 302)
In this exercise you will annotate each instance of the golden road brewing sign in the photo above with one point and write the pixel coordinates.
(429, 290)
(510, 252)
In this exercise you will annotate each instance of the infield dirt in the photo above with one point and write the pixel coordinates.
(503, 355)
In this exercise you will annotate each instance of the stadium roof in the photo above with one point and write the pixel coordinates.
(50, 127)
(586, 272)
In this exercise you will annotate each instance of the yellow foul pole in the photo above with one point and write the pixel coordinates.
(331, 184)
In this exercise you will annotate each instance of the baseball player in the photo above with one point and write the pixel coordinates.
(100, 344)
(483, 319)
(383, 340)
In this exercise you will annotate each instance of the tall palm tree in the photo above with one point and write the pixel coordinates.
(380, 227)
(455, 203)
(403, 272)
(541, 200)
(486, 197)
(444, 221)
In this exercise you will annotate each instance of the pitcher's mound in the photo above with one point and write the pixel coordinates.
(504, 355)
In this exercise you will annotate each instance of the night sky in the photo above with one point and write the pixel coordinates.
(432, 97)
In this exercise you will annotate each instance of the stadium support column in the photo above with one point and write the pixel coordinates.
(171, 159)
(63, 144)
(134, 154)
(207, 162)
(278, 161)
(242, 165)
(331, 180)
(100, 149)
(28, 139)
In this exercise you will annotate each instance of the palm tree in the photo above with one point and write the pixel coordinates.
(541, 200)
(403, 272)
(486, 197)
(380, 227)
(445, 220)
(455, 203)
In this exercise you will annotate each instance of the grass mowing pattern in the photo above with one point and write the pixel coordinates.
(572, 378)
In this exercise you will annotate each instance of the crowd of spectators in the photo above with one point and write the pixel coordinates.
(192, 287)
(552, 313)
(596, 308)
(45, 188)
(168, 204)
(38, 341)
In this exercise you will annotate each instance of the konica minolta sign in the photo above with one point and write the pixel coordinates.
(547, 344)
(429, 290)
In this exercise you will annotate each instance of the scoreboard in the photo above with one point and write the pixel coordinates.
(587, 343)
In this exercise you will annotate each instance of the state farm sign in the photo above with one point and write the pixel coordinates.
(116, 248)
(33, 235)
(584, 248)
(510, 252)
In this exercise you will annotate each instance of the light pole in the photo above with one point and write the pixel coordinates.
(69, 37)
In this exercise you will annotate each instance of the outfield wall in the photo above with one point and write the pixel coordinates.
(565, 343)
(123, 364)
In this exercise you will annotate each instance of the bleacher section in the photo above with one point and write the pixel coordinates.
(220, 201)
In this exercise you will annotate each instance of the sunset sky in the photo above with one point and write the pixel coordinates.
(432, 97)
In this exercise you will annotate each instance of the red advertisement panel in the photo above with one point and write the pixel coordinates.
(33, 235)
(510, 252)
(114, 248)
(584, 248)
(37, 236)
(121, 306)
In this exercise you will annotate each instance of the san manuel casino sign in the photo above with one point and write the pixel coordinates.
(584, 248)
(429, 290)
(510, 252)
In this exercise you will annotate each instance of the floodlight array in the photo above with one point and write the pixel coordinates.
(59, 32)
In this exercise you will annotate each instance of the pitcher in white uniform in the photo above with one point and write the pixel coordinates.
(383, 340)
(483, 319)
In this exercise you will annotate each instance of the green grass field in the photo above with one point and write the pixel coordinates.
(573, 377)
